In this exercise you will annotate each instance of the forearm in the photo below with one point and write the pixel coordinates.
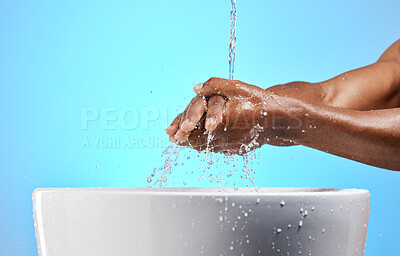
(370, 137)
(313, 93)
(376, 86)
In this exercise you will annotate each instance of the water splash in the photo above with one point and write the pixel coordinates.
(221, 169)
(172, 154)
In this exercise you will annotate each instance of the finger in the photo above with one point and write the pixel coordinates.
(173, 128)
(172, 139)
(214, 86)
(193, 113)
(227, 88)
(223, 87)
(216, 106)
(181, 135)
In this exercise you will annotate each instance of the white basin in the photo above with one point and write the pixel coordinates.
(201, 221)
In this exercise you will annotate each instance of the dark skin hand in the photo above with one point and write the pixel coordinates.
(355, 115)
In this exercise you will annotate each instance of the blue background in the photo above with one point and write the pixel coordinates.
(60, 59)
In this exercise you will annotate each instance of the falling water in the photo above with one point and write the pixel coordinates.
(232, 41)
(172, 154)
(228, 163)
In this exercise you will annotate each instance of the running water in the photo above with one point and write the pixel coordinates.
(179, 168)
(232, 41)
(227, 162)
(172, 156)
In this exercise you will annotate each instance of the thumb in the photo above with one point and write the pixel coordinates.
(215, 86)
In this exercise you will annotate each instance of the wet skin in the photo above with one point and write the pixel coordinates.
(355, 115)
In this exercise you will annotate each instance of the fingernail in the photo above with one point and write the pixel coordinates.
(170, 130)
(186, 125)
(209, 123)
(172, 139)
(198, 87)
(178, 136)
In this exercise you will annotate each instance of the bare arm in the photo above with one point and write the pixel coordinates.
(376, 86)
(356, 114)
(371, 137)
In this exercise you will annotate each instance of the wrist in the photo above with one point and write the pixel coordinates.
(289, 122)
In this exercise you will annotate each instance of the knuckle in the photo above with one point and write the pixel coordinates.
(212, 80)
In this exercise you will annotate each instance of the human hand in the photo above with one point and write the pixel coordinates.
(227, 116)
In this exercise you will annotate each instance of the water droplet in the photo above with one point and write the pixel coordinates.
(219, 200)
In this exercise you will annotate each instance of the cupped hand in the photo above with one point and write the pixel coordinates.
(226, 116)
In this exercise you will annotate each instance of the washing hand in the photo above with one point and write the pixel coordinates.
(355, 115)
(228, 116)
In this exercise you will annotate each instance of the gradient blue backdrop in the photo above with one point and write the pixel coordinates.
(60, 60)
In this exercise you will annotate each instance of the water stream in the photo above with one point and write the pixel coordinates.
(227, 163)
(232, 41)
